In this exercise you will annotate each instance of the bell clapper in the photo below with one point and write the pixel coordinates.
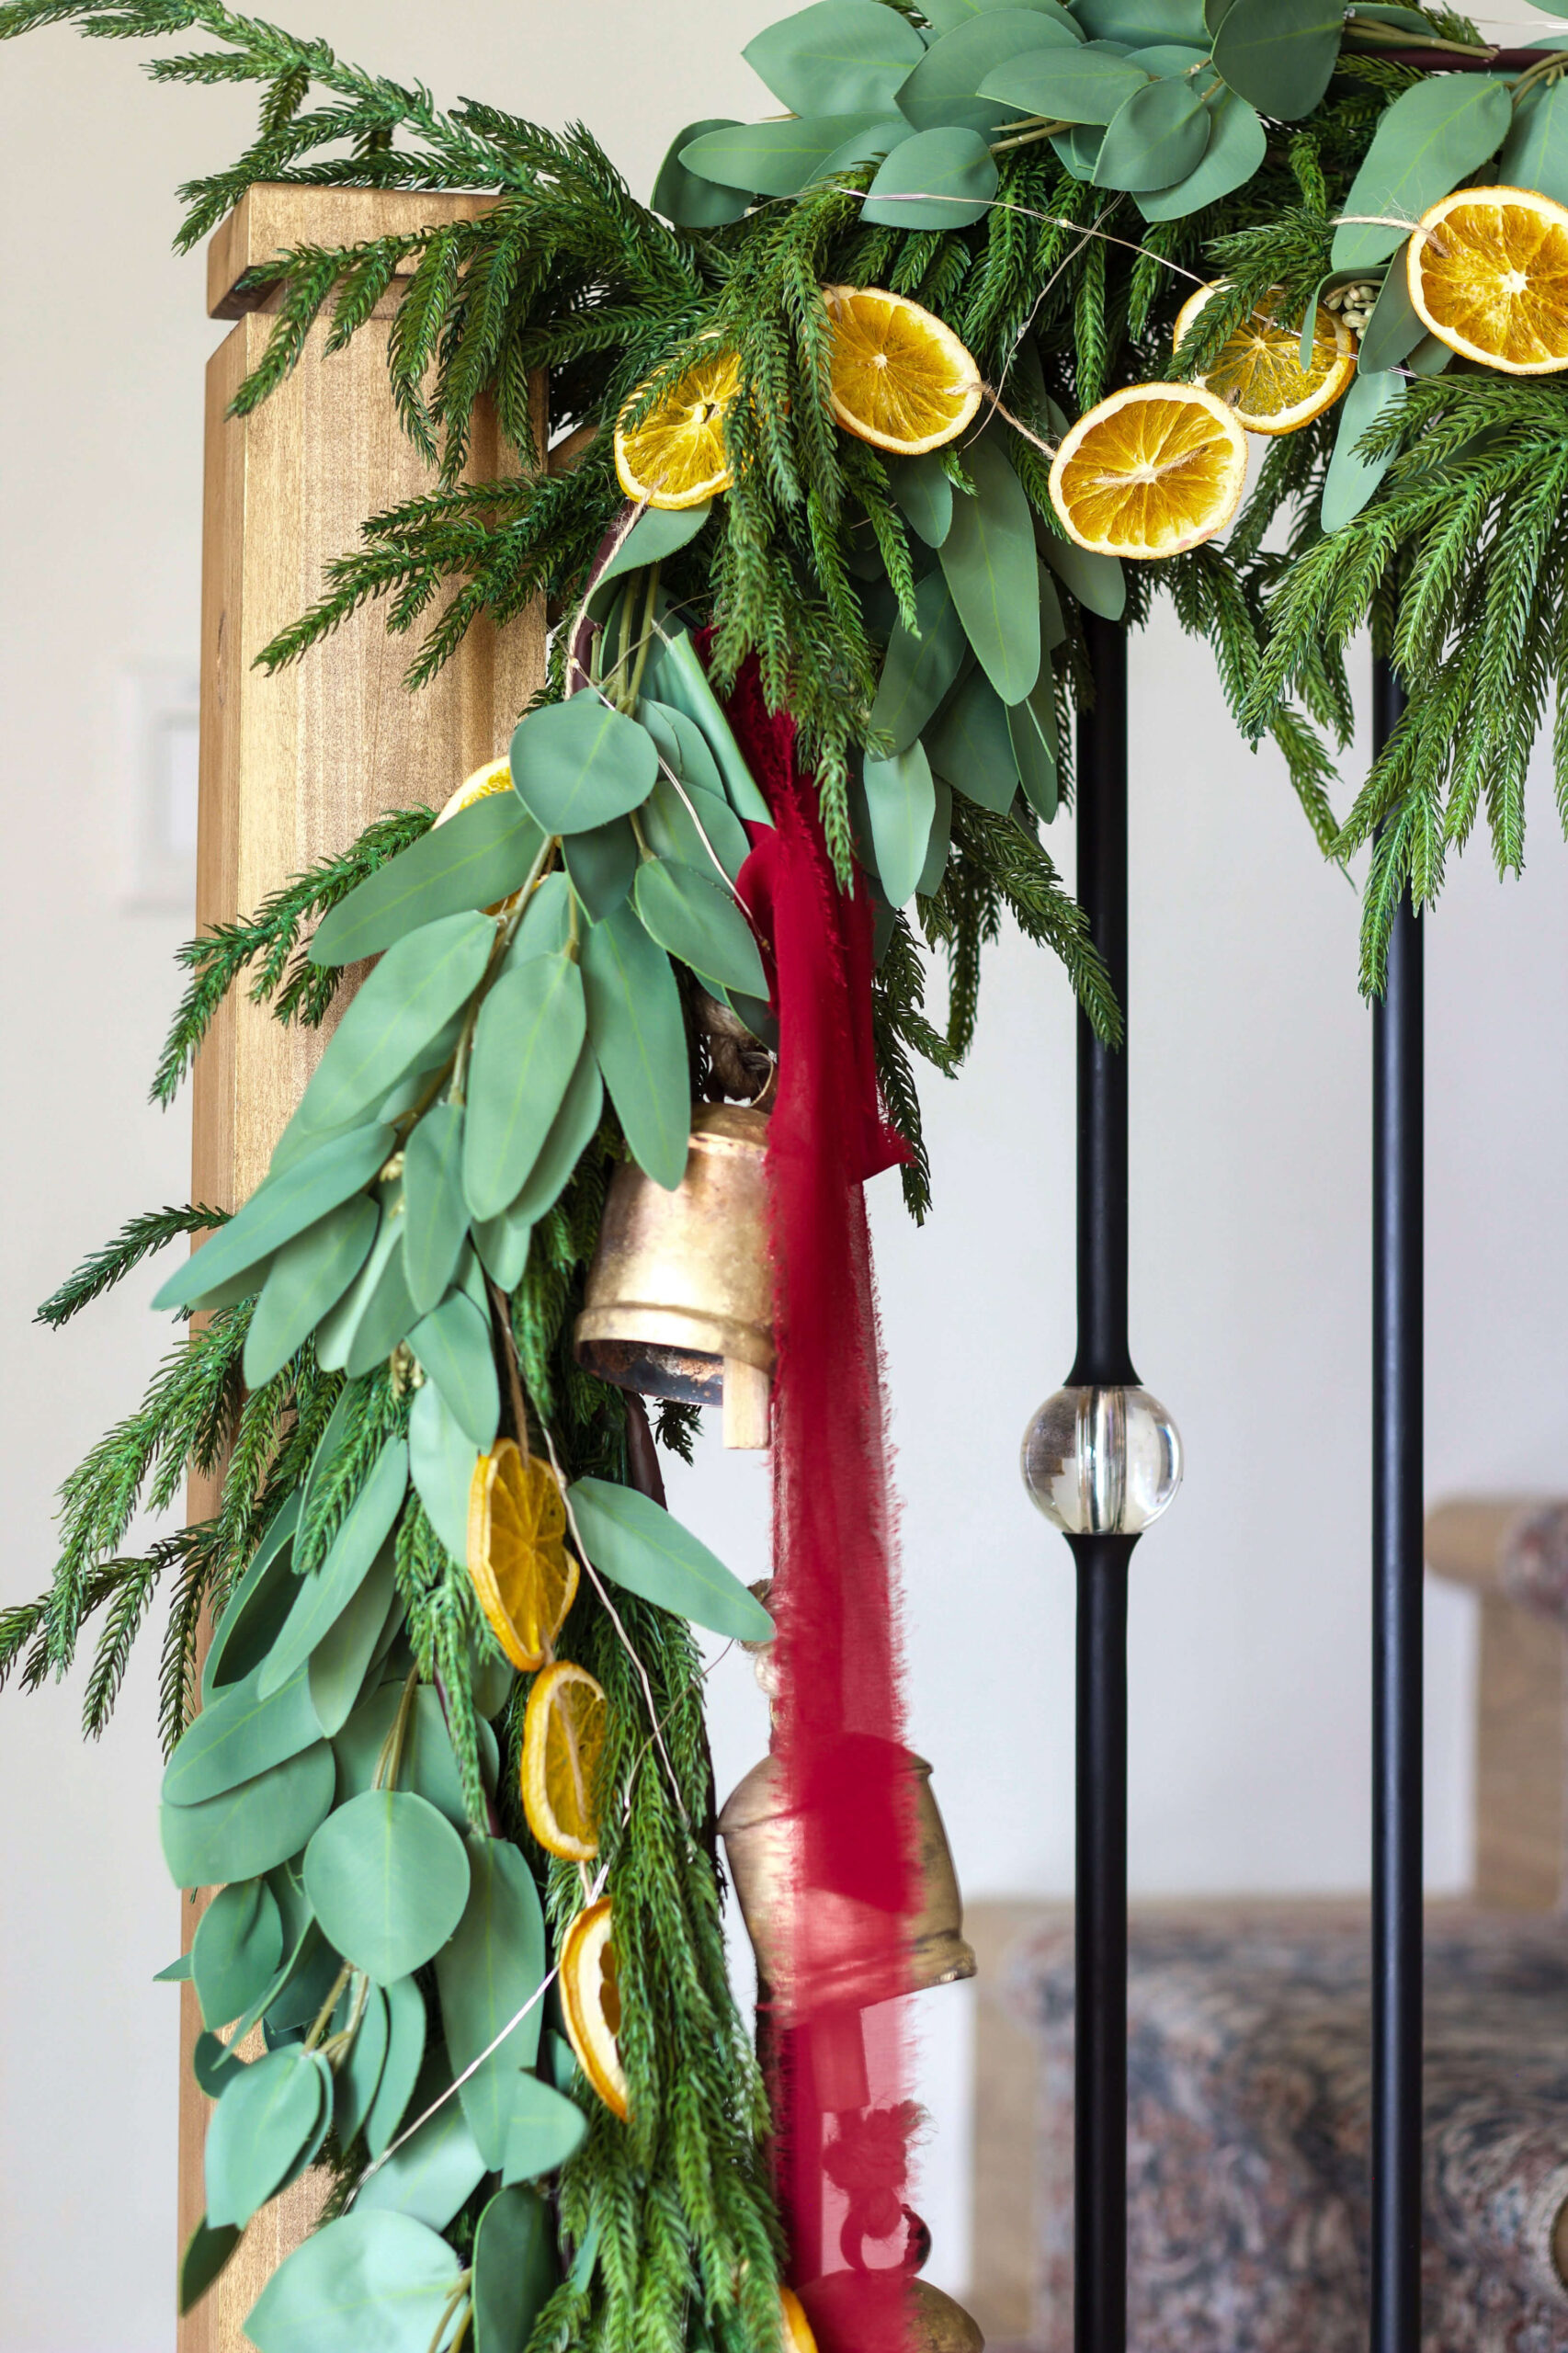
(747, 1395)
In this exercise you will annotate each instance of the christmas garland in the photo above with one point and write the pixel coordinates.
(856, 421)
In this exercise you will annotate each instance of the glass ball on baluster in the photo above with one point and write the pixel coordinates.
(1101, 1462)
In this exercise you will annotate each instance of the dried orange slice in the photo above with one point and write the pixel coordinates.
(1257, 370)
(676, 456)
(900, 379)
(1151, 471)
(525, 1577)
(797, 2328)
(1488, 273)
(563, 1741)
(590, 2002)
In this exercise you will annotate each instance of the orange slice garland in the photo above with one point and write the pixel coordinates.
(590, 2002)
(525, 1577)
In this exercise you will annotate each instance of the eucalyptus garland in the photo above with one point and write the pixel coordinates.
(385, 1343)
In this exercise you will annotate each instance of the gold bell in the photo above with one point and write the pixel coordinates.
(765, 1844)
(680, 1300)
(937, 2323)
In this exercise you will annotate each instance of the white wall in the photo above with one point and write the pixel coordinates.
(1249, 1073)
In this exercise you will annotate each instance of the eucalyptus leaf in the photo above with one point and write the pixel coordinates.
(1280, 54)
(307, 1278)
(1096, 581)
(1078, 150)
(428, 1767)
(214, 2064)
(401, 2068)
(493, 1965)
(658, 532)
(838, 56)
(776, 158)
(1395, 327)
(943, 16)
(636, 1543)
(547, 923)
(988, 561)
(943, 178)
(279, 1209)
(339, 1330)
(382, 1314)
(602, 863)
(696, 826)
(387, 1877)
(454, 1346)
(939, 840)
(502, 1241)
(207, 2251)
(443, 1455)
(1032, 726)
(411, 996)
(516, 2269)
(325, 1594)
(638, 1035)
(434, 1214)
(682, 745)
(926, 495)
(367, 2281)
(1155, 137)
(1535, 153)
(236, 1950)
(266, 2118)
(571, 1131)
(359, 2071)
(1065, 83)
(1138, 21)
(943, 90)
(341, 1660)
(1429, 139)
(476, 857)
(173, 1972)
(971, 746)
(580, 763)
(256, 1608)
(1352, 478)
(544, 2126)
(677, 678)
(438, 2166)
(244, 1733)
(526, 1045)
(919, 670)
(1237, 144)
(692, 203)
(698, 920)
(901, 801)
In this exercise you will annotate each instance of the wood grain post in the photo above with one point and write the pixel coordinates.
(292, 769)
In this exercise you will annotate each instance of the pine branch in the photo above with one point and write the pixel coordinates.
(144, 1235)
(271, 939)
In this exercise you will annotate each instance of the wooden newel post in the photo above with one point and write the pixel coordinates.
(294, 767)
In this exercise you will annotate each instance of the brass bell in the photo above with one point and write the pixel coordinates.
(680, 1300)
(765, 1846)
(937, 2323)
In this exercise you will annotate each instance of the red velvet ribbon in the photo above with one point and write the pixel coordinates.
(839, 2058)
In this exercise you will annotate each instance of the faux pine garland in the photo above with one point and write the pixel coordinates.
(397, 1301)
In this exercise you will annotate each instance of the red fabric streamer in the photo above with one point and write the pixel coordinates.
(835, 2030)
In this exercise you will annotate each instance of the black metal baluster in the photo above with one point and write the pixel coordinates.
(1100, 2155)
(1397, 1322)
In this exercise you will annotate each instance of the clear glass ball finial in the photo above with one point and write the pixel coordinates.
(1101, 1462)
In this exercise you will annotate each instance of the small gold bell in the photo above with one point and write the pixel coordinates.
(680, 1300)
(937, 2323)
(766, 1846)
